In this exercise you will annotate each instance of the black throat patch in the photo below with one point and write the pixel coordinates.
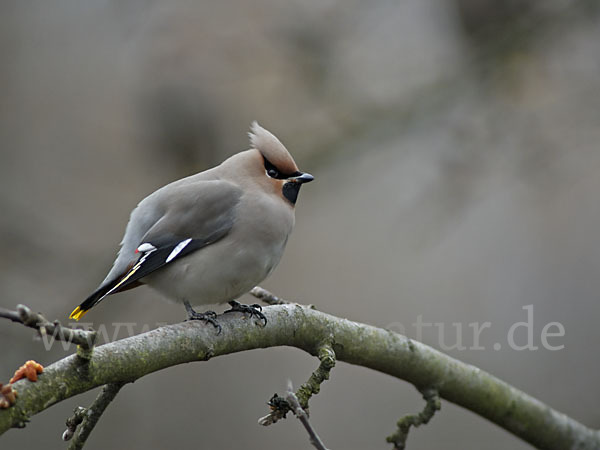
(290, 191)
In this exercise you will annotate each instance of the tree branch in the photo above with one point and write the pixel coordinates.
(432, 404)
(280, 406)
(27, 317)
(93, 413)
(292, 400)
(267, 297)
(294, 325)
(73, 422)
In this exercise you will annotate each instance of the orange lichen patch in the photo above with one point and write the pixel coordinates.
(28, 370)
(8, 396)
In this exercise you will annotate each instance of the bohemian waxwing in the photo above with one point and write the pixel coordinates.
(213, 236)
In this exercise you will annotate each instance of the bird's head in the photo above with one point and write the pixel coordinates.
(278, 169)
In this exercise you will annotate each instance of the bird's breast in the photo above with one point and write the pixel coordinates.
(233, 265)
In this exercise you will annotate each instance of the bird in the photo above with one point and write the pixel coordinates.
(211, 237)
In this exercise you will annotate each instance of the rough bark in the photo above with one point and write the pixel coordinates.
(307, 329)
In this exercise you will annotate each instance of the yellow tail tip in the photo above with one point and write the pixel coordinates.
(78, 313)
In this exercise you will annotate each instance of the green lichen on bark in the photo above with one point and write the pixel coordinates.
(313, 385)
(432, 404)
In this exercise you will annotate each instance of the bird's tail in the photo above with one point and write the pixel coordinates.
(121, 283)
(90, 302)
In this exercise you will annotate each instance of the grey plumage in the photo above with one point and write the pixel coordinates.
(212, 236)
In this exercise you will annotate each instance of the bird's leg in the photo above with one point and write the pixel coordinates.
(207, 316)
(253, 310)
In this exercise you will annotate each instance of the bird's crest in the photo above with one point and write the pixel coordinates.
(272, 149)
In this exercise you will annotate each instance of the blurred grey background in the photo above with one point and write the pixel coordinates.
(455, 147)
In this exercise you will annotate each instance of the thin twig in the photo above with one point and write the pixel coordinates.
(8, 314)
(93, 413)
(292, 400)
(267, 297)
(27, 317)
(433, 404)
(279, 405)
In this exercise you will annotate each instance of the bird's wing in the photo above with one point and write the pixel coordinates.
(194, 216)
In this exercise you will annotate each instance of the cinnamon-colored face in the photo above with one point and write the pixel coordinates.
(279, 166)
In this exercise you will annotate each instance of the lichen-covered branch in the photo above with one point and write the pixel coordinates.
(27, 317)
(93, 413)
(280, 406)
(326, 355)
(294, 325)
(432, 404)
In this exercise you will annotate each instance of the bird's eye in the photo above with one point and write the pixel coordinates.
(272, 173)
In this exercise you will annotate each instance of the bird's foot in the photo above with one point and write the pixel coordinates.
(207, 316)
(253, 310)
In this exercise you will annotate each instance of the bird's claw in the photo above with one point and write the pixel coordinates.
(254, 310)
(207, 316)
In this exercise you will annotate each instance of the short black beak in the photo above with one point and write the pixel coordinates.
(302, 178)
